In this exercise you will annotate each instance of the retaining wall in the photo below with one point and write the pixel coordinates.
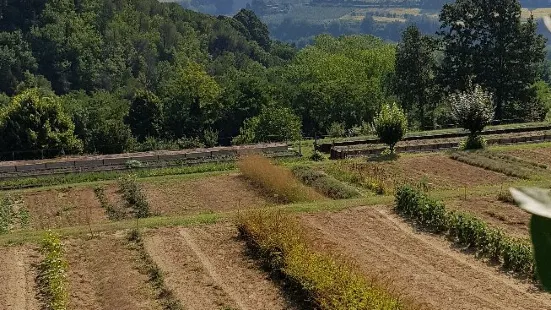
(107, 162)
(340, 152)
(326, 147)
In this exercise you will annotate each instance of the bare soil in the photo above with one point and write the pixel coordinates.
(18, 290)
(103, 274)
(208, 268)
(65, 207)
(504, 215)
(210, 194)
(444, 172)
(539, 155)
(423, 267)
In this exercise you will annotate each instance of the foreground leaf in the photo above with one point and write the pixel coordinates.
(533, 200)
(540, 229)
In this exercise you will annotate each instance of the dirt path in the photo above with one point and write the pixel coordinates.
(17, 279)
(207, 268)
(103, 274)
(423, 267)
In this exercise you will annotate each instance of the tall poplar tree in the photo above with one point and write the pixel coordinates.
(414, 80)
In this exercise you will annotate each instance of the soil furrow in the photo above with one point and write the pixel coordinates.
(208, 268)
(17, 279)
(421, 266)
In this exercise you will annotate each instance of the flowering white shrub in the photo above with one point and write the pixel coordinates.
(472, 109)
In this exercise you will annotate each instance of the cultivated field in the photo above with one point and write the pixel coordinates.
(292, 234)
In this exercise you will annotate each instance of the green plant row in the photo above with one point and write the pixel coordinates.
(165, 295)
(466, 230)
(52, 276)
(474, 159)
(325, 184)
(73, 178)
(318, 277)
(113, 212)
(134, 197)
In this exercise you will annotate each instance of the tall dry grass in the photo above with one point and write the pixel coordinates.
(276, 180)
(328, 282)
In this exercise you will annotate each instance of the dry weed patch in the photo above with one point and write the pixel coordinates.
(328, 283)
(276, 180)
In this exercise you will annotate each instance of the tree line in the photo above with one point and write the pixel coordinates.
(109, 76)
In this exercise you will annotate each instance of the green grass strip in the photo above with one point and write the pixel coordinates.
(88, 177)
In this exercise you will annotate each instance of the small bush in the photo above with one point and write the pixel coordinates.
(134, 197)
(336, 130)
(473, 143)
(276, 180)
(324, 183)
(53, 273)
(391, 125)
(466, 230)
(132, 164)
(505, 196)
(328, 283)
(317, 156)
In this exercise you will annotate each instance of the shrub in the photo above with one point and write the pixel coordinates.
(317, 156)
(210, 137)
(473, 143)
(336, 130)
(327, 282)
(466, 230)
(391, 125)
(324, 183)
(52, 275)
(133, 196)
(273, 124)
(277, 181)
(472, 110)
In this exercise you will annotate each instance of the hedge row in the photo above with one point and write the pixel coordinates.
(466, 230)
(324, 183)
(323, 281)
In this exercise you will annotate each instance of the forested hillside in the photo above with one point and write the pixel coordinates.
(107, 76)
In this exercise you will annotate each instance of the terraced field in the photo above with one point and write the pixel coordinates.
(192, 250)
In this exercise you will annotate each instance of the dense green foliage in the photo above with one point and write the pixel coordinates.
(109, 76)
(466, 230)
